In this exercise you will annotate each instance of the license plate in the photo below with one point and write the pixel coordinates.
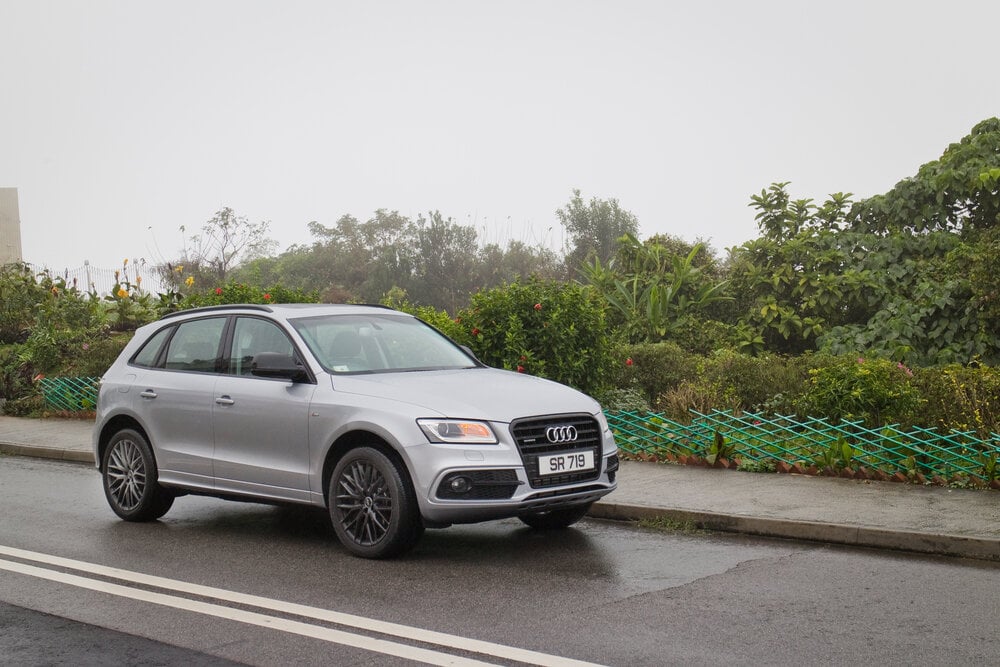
(560, 464)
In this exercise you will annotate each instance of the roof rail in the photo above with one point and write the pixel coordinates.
(209, 309)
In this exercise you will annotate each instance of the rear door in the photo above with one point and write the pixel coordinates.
(176, 399)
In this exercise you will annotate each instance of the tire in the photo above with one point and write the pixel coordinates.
(556, 519)
(128, 472)
(372, 505)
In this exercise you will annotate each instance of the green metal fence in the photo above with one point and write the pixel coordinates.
(72, 394)
(811, 442)
(747, 436)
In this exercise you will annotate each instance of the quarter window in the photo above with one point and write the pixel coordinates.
(151, 350)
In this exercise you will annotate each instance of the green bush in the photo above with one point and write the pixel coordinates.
(960, 398)
(745, 382)
(546, 328)
(655, 368)
(92, 358)
(876, 390)
(729, 380)
(704, 337)
(242, 293)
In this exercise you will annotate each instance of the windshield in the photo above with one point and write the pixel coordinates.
(378, 344)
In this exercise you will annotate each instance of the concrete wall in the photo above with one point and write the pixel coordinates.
(10, 227)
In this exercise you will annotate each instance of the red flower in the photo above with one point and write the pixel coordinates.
(218, 291)
(520, 369)
(523, 358)
(475, 332)
(628, 362)
(538, 306)
(267, 296)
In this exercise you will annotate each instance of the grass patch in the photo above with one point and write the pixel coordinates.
(666, 524)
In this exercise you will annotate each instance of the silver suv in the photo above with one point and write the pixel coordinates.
(363, 410)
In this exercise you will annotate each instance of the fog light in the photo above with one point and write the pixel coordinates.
(460, 485)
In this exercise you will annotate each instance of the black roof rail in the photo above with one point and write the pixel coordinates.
(209, 309)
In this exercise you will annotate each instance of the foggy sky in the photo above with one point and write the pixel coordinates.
(122, 121)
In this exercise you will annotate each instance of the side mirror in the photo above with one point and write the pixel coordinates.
(278, 366)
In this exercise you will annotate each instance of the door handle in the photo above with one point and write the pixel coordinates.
(225, 400)
(149, 393)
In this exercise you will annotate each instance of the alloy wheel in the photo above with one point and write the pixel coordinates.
(365, 502)
(126, 474)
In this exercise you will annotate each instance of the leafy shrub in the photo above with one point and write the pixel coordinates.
(15, 377)
(960, 397)
(242, 293)
(729, 380)
(875, 390)
(744, 382)
(704, 337)
(655, 369)
(546, 328)
(622, 400)
(677, 403)
(92, 358)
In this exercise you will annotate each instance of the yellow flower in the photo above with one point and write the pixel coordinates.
(125, 262)
(138, 280)
(122, 292)
(179, 268)
(189, 281)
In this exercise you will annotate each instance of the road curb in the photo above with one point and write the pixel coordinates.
(982, 548)
(38, 452)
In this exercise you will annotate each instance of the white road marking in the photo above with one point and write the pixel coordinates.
(444, 640)
(252, 618)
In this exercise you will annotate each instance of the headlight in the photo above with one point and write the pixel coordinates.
(457, 431)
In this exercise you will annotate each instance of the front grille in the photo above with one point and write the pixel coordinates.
(485, 485)
(532, 442)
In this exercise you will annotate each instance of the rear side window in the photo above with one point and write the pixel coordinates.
(151, 350)
(195, 346)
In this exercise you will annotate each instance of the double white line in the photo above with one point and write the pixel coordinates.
(315, 631)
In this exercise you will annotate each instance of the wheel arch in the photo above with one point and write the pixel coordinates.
(352, 440)
(114, 425)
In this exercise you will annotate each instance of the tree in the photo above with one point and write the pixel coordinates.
(817, 280)
(446, 263)
(594, 228)
(959, 192)
(225, 241)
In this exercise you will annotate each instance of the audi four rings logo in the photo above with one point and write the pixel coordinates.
(559, 434)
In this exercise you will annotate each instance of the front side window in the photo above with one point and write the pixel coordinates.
(378, 344)
(252, 336)
(195, 346)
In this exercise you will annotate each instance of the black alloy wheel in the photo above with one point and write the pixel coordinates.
(372, 505)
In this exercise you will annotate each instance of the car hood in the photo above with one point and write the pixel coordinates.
(471, 393)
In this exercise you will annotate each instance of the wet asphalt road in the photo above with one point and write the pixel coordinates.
(601, 592)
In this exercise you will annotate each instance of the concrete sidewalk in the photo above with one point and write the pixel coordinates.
(885, 515)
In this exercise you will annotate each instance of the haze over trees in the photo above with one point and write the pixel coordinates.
(911, 274)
